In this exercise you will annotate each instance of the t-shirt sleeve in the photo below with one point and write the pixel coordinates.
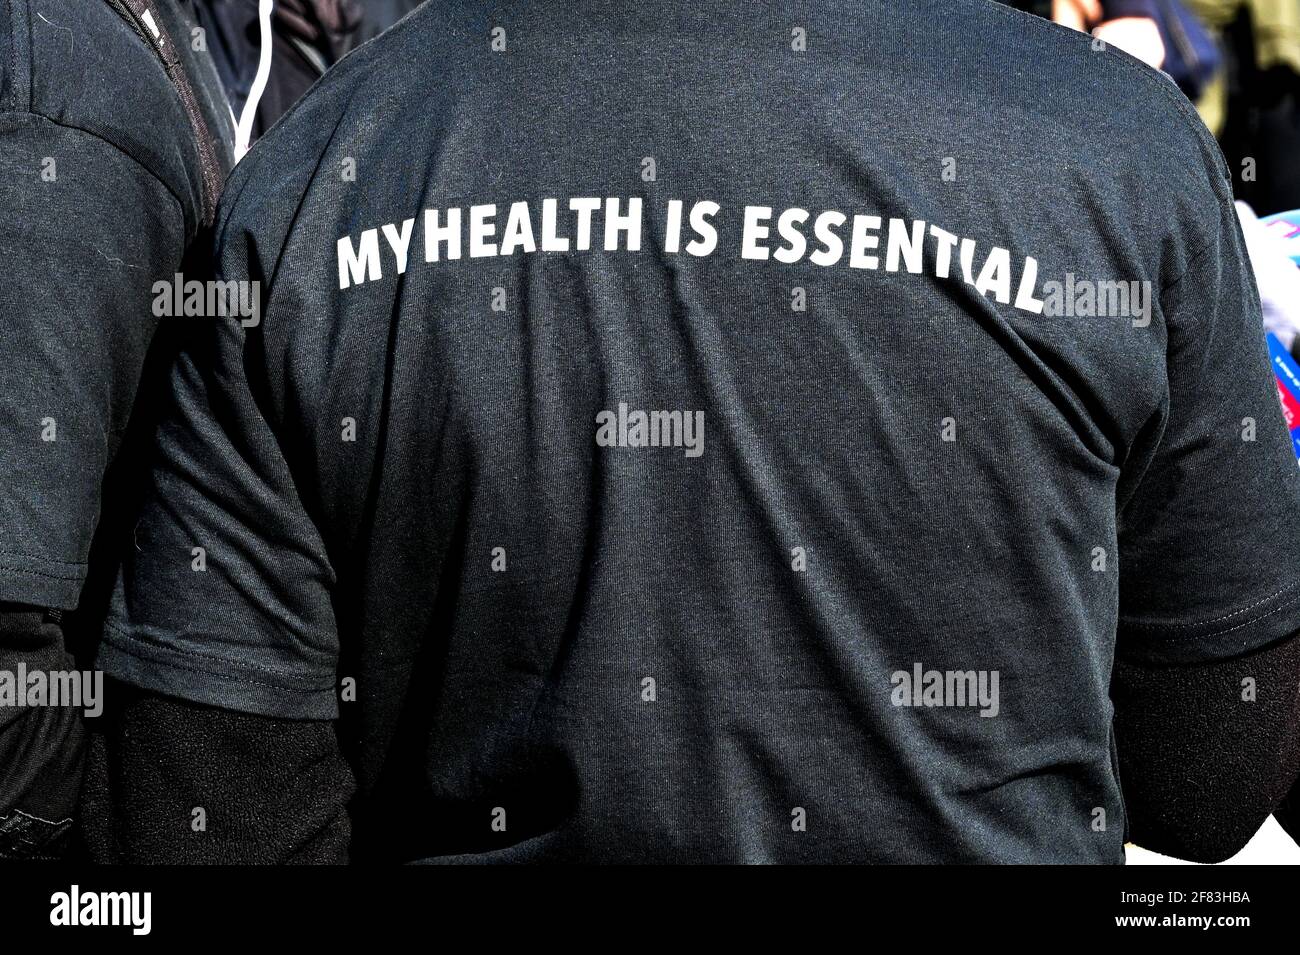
(84, 232)
(225, 599)
(1210, 540)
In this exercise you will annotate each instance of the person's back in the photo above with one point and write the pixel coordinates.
(656, 521)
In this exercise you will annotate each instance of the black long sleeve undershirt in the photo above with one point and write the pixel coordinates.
(41, 747)
(1201, 765)
(270, 790)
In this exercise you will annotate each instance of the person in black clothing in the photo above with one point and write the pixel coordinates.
(110, 169)
(715, 434)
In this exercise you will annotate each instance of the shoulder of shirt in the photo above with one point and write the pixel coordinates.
(78, 65)
(1092, 105)
(1134, 115)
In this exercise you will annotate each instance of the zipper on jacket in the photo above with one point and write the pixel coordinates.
(142, 18)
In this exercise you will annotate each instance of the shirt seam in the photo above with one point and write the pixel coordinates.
(1216, 633)
(41, 557)
(130, 646)
(108, 142)
(9, 569)
(21, 89)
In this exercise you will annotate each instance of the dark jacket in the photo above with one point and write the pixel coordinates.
(309, 36)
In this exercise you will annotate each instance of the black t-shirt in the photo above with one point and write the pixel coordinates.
(101, 196)
(681, 432)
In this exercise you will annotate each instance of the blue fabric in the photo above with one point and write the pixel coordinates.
(1191, 56)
